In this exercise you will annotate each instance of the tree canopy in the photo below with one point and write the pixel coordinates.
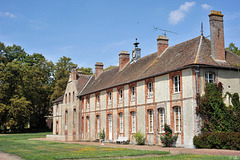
(231, 47)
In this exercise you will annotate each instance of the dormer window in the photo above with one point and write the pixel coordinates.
(88, 102)
(176, 83)
(109, 98)
(120, 94)
(150, 90)
(210, 77)
(133, 93)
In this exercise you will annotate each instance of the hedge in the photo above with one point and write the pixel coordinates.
(219, 140)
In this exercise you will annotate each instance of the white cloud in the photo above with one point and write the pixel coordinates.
(206, 6)
(7, 14)
(179, 14)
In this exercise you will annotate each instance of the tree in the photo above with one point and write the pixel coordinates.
(61, 74)
(86, 71)
(110, 67)
(231, 47)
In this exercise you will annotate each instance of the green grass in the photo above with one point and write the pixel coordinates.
(18, 144)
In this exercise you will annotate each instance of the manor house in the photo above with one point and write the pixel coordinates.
(144, 93)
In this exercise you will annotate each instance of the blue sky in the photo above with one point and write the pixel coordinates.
(90, 31)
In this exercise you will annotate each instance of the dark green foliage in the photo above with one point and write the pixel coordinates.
(221, 124)
(102, 134)
(110, 67)
(86, 71)
(139, 136)
(219, 140)
(231, 47)
(168, 139)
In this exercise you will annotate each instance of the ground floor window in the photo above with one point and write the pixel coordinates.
(133, 114)
(161, 120)
(150, 114)
(177, 119)
(121, 122)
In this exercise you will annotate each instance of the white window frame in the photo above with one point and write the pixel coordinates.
(98, 100)
(121, 122)
(161, 120)
(88, 102)
(177, 116)
(133, 93)
(133, 114)
(120, 96)
(88, 124)
(150, 89)
(109, 98)
(210, 79)
(98, 123)
(151, 123)
(176, 84)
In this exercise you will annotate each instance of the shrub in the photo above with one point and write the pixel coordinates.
(102, 134)
(168, 138)
(219, 140)
(139, 136)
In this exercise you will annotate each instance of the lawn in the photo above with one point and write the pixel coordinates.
(18, 144)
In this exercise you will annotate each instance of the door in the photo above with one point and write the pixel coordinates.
(110, 126)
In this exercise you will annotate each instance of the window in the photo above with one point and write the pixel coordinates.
(121, 122)
(133, 93)
(177, 119)
(65, 98)
(133, 122)
(98, 123)
(87, 102)
(210, 77)
(66, 118)
(88, 125)
(73, 96)
(109, 98)
(120, 94)
(176, 83)
(69, 97)
(150, 89)
(74, 117)
(150, 121)
(98, 100)
(57, 109)
(161, 120)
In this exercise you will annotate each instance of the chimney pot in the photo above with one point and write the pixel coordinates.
(123, 59)
(217, 35)
(162, 43)
(98, 69)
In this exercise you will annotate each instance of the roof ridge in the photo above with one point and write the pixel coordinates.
(199, 48)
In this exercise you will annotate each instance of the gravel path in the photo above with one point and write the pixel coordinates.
(6, 156)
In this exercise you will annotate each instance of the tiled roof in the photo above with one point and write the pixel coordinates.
(59, 99)
(191, 52)
(82, 81)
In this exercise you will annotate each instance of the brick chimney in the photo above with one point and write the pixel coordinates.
(74, 73)
(98, 69)
(162, 44)
(217, 35)
(123, 59)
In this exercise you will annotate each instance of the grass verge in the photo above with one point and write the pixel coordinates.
(18, 144)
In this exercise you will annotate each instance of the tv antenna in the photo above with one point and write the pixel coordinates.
(165, 31)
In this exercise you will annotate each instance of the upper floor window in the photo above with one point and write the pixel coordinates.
(150, 112)
(66, 98)
(69, 97)
(109, 98)
(150, 89)
(133, 93)
(176, 83)
(210, 78)
(161, 120)
(177, 119)
(98, 100)
(133, 114)
(88, 101)
(121, 122)
(120, 94)
(73, 96)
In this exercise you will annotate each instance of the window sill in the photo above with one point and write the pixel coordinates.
(133, 132)
(150, 132)
(176, 92)
(149, 97)
(178, 132)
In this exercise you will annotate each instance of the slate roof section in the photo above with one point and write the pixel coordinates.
(196, 51)
(59, 99)
(82, 81)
